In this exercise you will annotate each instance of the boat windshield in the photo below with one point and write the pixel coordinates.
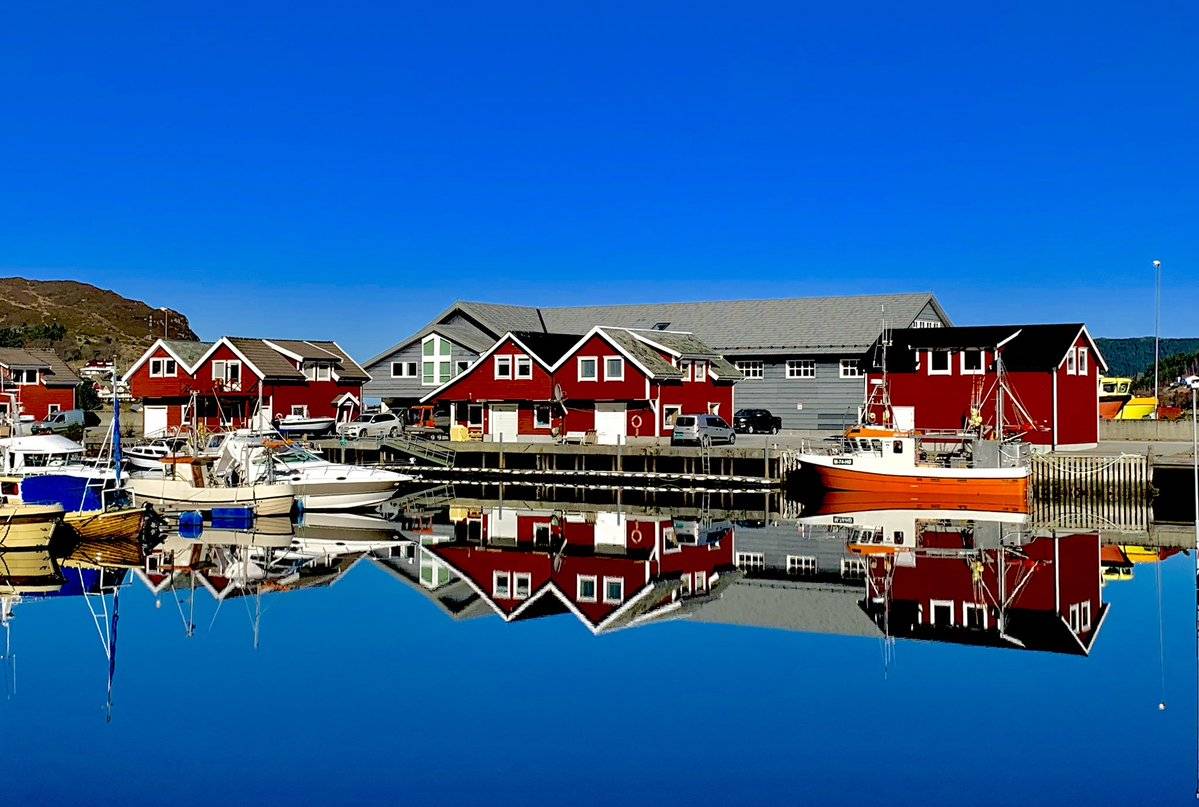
(297, 454)
(49, 460)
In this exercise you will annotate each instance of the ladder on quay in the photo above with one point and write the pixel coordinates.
(426, 450)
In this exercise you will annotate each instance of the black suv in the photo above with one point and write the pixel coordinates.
(756, 421)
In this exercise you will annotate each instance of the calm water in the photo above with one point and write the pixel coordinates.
(589, 654)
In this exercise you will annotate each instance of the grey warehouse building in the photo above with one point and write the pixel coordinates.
(799, 356)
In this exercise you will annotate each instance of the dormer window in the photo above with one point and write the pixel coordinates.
(24, 377)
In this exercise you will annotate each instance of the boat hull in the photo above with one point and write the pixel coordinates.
(28, 526)
(344, 495)
(310, 426)
(993, 485)
(110, 525)
(175, 496)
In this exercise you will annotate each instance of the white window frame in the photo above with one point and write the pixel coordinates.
(324, 371)
(610, 600)
(522, 368)
(580, 580)
(53, 409)
(685, 589)
(1084, 620)
(163, 363)
(714, 408)
(517, 579)
(803, 564)
(503, 592)
(932, 611)
(685, 369)
(798, 369)
(1072, 361)
(538, 421)
(669, 411)
(502, 368)
(1082, 366)
(853, 568)
(755, 561)
(435, 360)
(849, 368)
(699, 371)
(220, 370)
(967, 607)
(300, 409)
(594, 376)
(751, 369)
(461, 366)
(24, 378)
(408, 369)
(948, 362)
(927, 323)
(614, 376)
(471, 409)
(701, 582)
(982, 362)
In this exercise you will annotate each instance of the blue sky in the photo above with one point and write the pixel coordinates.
(345, 170)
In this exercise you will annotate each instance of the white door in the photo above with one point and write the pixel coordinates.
(502, 425)
(905, 417)
(611, 423)
(154, 421)
(610, 530)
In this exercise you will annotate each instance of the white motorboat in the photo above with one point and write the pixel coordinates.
(318, 483)
(299, 425)
(196, 483)
(40, 454)
(149, 456)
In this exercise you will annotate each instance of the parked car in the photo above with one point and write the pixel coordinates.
(378, 424)
(64, 421)
(756, 421)
(701, 430)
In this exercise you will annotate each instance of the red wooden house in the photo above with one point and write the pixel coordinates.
(945, 379)
(1043, 595)
(35, 382)
(613, 382)
(222, 384)
(610, 570)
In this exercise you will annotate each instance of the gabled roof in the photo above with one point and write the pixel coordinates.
(270, 363)
(499, 318)
(462, 334)
(688, 346)
(835, 323)
(347, 368)
(55, 371)
(642, 354)
(549, 347)
(1025, 348)
(186, 353)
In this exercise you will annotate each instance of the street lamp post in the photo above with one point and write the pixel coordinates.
(1157, 331)
(1194, 384)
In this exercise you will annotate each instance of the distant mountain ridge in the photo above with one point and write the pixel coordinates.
(82, 322)
(1133, 357)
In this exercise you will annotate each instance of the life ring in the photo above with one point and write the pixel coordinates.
(635, 536)
(635, 421)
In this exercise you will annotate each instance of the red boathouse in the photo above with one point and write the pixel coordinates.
(610, 384)
(219, 385)
(947, 379)
(37, 382)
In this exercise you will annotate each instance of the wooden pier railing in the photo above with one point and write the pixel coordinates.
(1067, 477)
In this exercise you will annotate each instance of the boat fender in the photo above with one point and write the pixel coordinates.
(191, 525)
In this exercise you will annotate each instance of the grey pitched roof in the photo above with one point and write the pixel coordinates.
(271, 362)
(745, 326)
(57, 373)
(347, 368)
(500, 319)
(189, 352)
(690, 347)
(645, 355)
(468, 336)
(791, 605)
(306, 350)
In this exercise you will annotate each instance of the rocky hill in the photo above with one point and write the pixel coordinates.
(81, 322)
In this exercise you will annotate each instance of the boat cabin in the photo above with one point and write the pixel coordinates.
(20, 456)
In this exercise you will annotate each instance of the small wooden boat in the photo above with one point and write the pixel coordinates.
(29, 572)
(107, 525)
(28, 526)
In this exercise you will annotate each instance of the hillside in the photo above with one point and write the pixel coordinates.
(81, 322)
(1133, 357)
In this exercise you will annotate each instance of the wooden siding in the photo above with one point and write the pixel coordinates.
(407, 391)
(829, 401)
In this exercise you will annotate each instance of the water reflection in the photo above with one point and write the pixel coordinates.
(852, 567)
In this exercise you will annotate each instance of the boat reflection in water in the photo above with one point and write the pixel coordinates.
(852, 567)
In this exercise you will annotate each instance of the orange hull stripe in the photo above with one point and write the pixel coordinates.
(932, 487)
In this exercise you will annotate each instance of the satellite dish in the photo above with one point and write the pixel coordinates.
(559, 395)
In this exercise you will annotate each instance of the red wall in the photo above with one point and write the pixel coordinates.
(35, 399)
(633, 387)
(942, 402)
(480, 384)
